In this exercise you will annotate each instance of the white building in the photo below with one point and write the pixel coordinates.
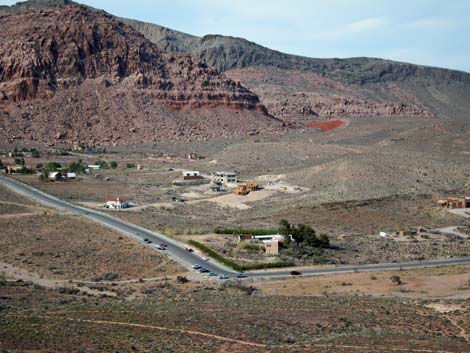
(190, 175)
(54, 176)
(93, 166)
(71, 175)
(116, 202)
(224, 178)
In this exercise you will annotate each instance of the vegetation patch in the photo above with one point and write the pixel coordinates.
(236, 266)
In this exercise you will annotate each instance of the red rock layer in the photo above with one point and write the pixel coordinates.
(50, 53)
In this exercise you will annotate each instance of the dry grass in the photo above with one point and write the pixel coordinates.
(224, 320)
(417, 284)
(67, 247)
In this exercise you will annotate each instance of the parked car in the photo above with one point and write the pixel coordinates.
(241, 275)
(164, 245)
(188, 249)
(205, 258)
(160, 247)
(212, 274)
(295, 273)
(203, 270)
(223, 277)
(196, 266)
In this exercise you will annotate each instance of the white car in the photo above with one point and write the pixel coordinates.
(205, 258)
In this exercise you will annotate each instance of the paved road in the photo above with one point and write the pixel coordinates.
(176, 249)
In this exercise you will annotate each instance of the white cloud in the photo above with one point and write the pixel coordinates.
(430, 24)
(351, 29)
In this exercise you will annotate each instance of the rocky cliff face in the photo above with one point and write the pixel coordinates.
(300, 96)
(64, 51)
(386, 86)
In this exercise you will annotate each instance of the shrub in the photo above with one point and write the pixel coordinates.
(238, 231)
(102, 164)
(68, 290)
(113, 164)
(396, 279)
(53, 166)
(182, 279)
(25, 170)
(35, 153)
(130, 165)
(237, 267)
(19, 161)
(77, 167)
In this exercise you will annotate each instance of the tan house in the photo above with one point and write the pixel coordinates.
(455, 202)
(271, 246)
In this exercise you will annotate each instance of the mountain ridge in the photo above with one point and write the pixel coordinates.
(94, 62)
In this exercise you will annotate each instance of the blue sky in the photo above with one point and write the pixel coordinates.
(428, 32)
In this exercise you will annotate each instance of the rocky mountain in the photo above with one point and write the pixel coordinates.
(72, 74)
(324, 87)
(144, 85)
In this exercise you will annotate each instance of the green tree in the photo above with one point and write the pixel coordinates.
(102, 164)
(113, 164)
(285, 230)
(323, 241)
(298, 233)
(76, 167)
(35, 153)
(130, 165)
(20, 161)
(53, 166)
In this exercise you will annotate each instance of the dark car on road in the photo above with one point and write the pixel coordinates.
(295, 273)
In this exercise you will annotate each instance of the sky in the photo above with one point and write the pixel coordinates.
(427, 32)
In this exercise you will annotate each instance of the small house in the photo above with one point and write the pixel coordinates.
(71, 175)
(93, 166)
(14, 169)
(271, 246)
(54, 176)
(116, 203)
(408, 232)
(194, 156)
(192, 175)
(455, 202)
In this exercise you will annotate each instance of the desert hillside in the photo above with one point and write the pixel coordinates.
(118, 86)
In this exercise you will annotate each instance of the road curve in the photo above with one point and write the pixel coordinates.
(177, 251)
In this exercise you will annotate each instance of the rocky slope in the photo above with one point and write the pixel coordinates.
(72, 74)
(387, 88)
(293, 88)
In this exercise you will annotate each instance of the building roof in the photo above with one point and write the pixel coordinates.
(224, 173)
(53, 174)
(190, 172)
